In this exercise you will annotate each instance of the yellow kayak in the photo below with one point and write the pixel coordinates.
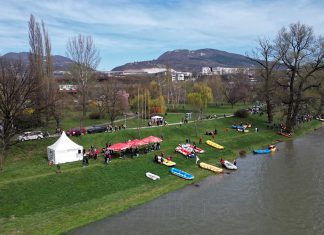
(213, 144)
(210, 167)
(168, 163)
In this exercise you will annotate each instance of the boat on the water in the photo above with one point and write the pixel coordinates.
(152, 176)
(270, 149)
(213, 144)
(210, 167)
(181, 173)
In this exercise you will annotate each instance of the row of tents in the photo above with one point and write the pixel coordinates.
(65, 150)
(134, 143)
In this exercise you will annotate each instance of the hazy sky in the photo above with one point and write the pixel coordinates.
(134, 30)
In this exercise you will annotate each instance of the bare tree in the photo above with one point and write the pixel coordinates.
(42, 70)
(49, 82)
(236, 88)
(114, 100)
(36, 63)
(81, 49)
(268, 61)
(303, 55)
(17, 88)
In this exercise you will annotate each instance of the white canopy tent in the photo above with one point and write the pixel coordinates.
(156, 118)
(64, 150)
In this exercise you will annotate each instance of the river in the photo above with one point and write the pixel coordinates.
(281, 193)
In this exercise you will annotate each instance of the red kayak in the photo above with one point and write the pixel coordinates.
(191, 148)
(184, 152)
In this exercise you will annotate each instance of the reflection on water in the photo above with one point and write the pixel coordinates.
(281, 193)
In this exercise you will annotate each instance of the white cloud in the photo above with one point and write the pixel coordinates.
(141, 27)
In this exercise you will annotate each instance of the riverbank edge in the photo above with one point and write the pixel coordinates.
(115, 203)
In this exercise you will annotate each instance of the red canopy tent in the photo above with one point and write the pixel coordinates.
(136, 143)
(151, 139)
(119, 146)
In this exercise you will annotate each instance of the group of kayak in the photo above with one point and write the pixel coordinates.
(190, 151)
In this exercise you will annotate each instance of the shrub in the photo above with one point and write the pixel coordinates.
(241, 113)
(95, 115)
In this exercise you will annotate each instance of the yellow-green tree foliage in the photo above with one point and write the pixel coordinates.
(157, 105)
(155, 89)
(200, 96)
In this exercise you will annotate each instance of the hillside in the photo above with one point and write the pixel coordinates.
(59, 62)
(192, 61)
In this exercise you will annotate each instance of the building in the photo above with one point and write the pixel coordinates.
(68, 88)
(225, 71)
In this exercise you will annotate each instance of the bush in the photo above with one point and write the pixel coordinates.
(241, 113)
(95, 115)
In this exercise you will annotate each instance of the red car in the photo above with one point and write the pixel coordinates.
(76, 132)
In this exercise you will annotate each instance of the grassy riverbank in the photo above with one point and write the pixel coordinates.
(36, 200)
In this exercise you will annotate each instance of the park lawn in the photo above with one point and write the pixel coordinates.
(71, 119)
(36, 200)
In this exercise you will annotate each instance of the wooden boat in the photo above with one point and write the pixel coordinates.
(210, 167)
(229, 165)
(152, 176)
(213, 144)
(181, 173)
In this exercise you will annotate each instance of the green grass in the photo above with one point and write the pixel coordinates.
(36, 200)
(71, 119)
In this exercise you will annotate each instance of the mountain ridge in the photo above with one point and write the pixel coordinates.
(191, 60)
(59, 62)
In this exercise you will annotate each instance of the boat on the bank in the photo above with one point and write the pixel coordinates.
(164, 161)
(237, 127)
(152, 176)
(210, 167)
(167, 162)
(213, 144)
(228, 165)
(181, 173)
(185, 151)
(190, 148)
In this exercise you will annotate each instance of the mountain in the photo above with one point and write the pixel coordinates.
(59, 62)
(192, 61)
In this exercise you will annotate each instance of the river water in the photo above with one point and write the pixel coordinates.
(281, 193)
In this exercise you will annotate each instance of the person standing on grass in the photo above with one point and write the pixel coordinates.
(200, 139)
(213, 135)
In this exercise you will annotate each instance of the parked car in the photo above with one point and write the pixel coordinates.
(32, 135)
(76, 132)
(97, 129)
